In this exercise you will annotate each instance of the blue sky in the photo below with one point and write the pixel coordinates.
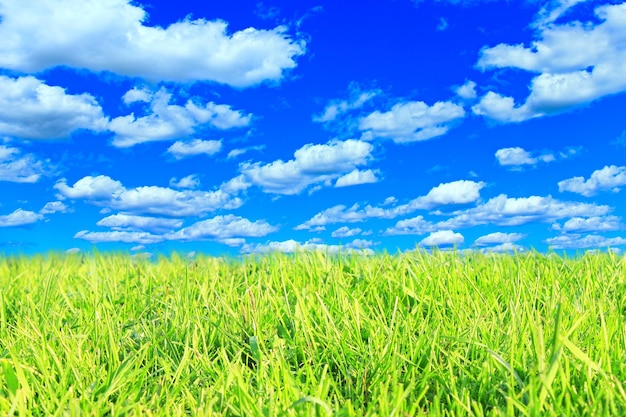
(245, 126)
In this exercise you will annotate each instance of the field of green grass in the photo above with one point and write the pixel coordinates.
(442, 334)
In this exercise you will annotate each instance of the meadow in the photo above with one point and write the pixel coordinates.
(313, 334)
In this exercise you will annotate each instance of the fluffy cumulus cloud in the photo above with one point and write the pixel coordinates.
(15, 167)
(590, 224)
(111, 35)
(498, 238)
(357, 177)
(516, 157)
(31, 109)
(576, 241)
(126, 222)
(101, 187)
(224, 227)
(467, 90)
(168, 121)
(312, 164)
(194, 147)
(456, 192)
(442, 238)
(19, 218)
(577, 63)
(106, 192)
(608, 178)
(411, 121)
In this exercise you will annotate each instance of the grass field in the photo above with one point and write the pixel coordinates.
(314, 335)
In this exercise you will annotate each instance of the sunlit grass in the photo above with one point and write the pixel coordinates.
(314, 335)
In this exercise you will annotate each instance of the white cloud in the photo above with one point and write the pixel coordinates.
(19, 218)
(236, 152)
(336, 108)
(443, 238)
(126, 222)
(292, 246)
(411, 121)
(578, 63)
(30, 109)
(170, 121)
(223, 227)
(607, 178)
(182, 150)
(583, 242)
(498, 238)
(357, 177)
(17, 168)
(190, 181)
(590, 224)
(110, 35)
(467, 90)
(515, 156)
(136, 94)
(94, 188)
(54, 207)
(413, 226)
(554, 10)
(313, 164)
(345, 231)
(504, 247)
(506, 211)
(500, 211)
(104, 191)
(143, 238)
(456, 192)
(101, 187)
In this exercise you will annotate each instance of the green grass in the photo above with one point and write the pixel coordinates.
(440, 334)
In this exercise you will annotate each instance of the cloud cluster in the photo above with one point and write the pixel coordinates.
(180, 150)
(411, 121)
(498, 238)
(576, 241)
(170, 121)
(608, 178)
(313, 164)
(105, 192)
(501, 211)
(19, 218)
(456, 192)
(357, 246)
(15, 167)
(442, 238)
(111, 35)
(590, 224)
(31, 109)
(145, 230)
(577, 63)
(515, 157)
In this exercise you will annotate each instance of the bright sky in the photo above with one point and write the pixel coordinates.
(244, 126)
